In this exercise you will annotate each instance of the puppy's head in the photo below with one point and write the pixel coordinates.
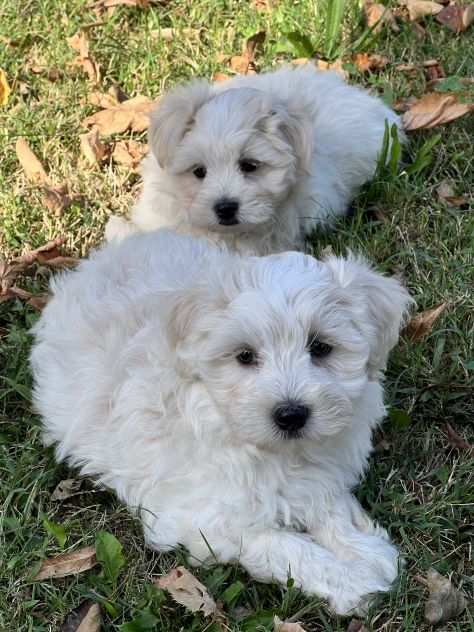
(233, 156)
(286, 345)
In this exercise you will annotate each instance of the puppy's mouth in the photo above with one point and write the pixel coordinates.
(232, 221)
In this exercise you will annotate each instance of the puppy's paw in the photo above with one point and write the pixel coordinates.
(117, 228)
(359, 585)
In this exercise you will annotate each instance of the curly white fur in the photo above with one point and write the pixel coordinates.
(138, 384)
(314, 139)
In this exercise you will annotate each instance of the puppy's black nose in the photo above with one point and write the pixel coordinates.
(226, 211)
(291, 416)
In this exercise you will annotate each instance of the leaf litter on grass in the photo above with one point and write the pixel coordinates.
(132, 114)
(85, 618)
(79, 42)
(421, 324)
(67, 564)
(444, 602)
(188, 591)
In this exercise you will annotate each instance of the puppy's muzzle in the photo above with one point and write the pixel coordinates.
(226, 211)
(291, 417)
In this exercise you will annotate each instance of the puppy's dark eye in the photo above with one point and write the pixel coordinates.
(247, 166)
(200, 172)
(247, 356)
(318, 349)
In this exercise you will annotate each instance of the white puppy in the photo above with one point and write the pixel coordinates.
(230, 400)
(258, 161)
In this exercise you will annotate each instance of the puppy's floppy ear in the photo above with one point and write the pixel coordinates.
(293, 123)
(174, 117)
(380, 305)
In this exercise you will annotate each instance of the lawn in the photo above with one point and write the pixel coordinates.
(420, 485)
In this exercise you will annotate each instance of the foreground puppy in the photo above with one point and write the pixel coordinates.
(258, 161)
(230, 400)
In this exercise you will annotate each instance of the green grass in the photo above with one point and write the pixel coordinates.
(418, 485)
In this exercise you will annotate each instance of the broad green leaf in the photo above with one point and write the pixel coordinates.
(399, 418)
(229, 596)
(109, 554)
(57, 531)
(295, 43)
(145, 621)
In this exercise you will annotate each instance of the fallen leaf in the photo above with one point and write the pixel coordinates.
(406, 67)
(244, 64)
(377, 16)
(262, 5)
(188, 591)
(447, 195)
(113, 97)
(80, 43)
(433, 70)
(456, 18)
(220, 76)
(356, 626)
(32, 167)
(93, 150)
(335, 66)
(419, 9)
(169, 34)
(131, 114)
(66, 488)
(456, 440)
(84, 618)
(56, 198)
(365, 62)
(422, 323)
(142, 4)
(419, 31)
(444, 602)
(41, 255)
(4, 88)
(286, 626)
(67, 564)
(129, 153)
(434, 108)
(39, 301)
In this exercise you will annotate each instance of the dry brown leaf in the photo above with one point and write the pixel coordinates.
(66, 488)
(419, 31)
(220, 76)
(434, 108)
(335, 66)
(131, 114)
(433, 70)
(377, 16)
(444, 602)
(32, 167)
(4, 88)
(67, 564)
(356, 626)
(286, 626)
(244, 64)
(188, 591)
(56, 198)
(419, 9)
(129, 153)
(80, 43)
(39, 301)
(456, 440)
(365, 62)
(85, 618)
(93, 150)
(41, 255)
(447, 195)
(456, 18)
(169, 34)
(422, 323)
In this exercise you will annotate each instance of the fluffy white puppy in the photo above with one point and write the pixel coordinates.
(230, 400)
(258, 161)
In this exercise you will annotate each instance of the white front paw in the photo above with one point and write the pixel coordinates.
(117, 228)
(359, 583)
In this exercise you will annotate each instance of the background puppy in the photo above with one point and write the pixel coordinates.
(153, 375)
(258, 161)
